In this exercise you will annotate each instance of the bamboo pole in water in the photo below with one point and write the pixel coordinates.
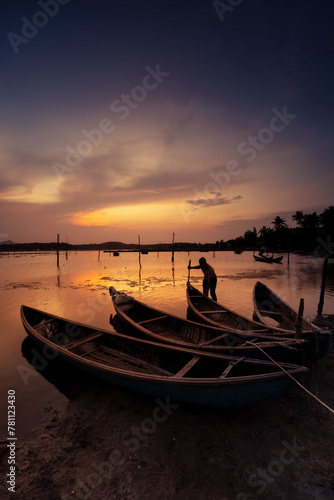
(173, 247)
(299, 333)
(57, 250)
(323, 286)
(139, 250)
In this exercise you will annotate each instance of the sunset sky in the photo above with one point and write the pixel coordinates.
(202, 118)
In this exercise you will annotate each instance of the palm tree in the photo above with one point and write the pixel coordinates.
(263, 231)
(299, 218)
(279, 223)
(311, 221)
(327, 219)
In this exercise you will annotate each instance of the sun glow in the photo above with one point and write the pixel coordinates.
(129, 216)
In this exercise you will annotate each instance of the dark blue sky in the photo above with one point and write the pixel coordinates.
(156, 169)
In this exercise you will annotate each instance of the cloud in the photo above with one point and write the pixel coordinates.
(214, 202)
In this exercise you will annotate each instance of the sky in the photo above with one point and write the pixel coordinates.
(203, 118)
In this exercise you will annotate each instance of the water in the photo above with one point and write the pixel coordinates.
(78, 290)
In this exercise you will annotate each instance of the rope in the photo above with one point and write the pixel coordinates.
(298, 383)
(231, 451)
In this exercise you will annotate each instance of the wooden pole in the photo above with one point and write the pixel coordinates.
(139, 250)
(323, 286)
(173, 247)
(299, 333)
(189, 270)
(57, 250)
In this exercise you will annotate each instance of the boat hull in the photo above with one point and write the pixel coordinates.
(265, 380)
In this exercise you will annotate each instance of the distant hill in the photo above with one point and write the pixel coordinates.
(7, 242)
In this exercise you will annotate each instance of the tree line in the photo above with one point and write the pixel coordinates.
(310, 227)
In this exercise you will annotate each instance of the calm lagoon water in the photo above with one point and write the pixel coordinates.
(78, 290)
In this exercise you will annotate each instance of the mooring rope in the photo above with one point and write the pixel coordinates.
(298, 383)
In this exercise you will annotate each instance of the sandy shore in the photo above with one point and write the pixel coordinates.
(110, 443)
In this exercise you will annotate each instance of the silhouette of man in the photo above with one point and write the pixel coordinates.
(210, 278)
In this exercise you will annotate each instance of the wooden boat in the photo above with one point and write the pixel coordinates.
(271, 310)
(210, 312)
(159, 370)
(269, 260)
(148, 322)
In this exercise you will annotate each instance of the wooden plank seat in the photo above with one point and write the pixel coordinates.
(220, 311)
(214, 339)
(76, 343)
(124, 361)
(274, 312)
(231, 365)
(185, 369)
(151, 319)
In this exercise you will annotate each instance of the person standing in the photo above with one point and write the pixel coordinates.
(210, 278)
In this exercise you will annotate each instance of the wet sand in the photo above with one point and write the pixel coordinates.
(109, 443)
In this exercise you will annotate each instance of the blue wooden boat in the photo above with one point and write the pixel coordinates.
(148, 322)
(159, 370)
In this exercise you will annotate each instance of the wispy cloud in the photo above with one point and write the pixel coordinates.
(214, 202)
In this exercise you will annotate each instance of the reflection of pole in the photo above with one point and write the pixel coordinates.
(159, 248)
(57, 250)
(323, 286)
(173, 247)
(98, 258)
(66, 248)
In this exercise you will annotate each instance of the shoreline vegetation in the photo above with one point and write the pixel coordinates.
(314, 234)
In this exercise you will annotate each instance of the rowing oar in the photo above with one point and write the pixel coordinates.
(189, 270)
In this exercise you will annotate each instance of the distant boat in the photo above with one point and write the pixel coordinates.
(144, 252)
(116, 254)
(159, 370)
(269, 260)
(148, 322)
(238, 251)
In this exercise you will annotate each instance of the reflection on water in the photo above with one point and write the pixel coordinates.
(78, 290)
(68, 381)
